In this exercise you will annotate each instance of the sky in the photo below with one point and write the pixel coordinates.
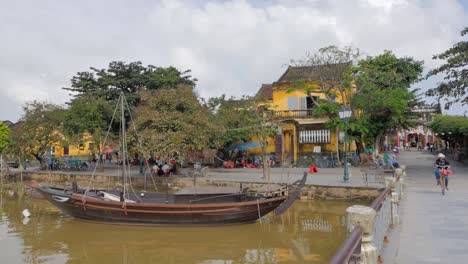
(231, 46)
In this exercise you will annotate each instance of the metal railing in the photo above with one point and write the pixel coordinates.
(351, 248)
(382, 204)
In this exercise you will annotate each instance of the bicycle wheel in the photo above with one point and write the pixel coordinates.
(442, 183)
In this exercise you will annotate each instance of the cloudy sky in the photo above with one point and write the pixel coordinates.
(232, 46)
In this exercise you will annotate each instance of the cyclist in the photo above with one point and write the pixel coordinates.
(441, 163)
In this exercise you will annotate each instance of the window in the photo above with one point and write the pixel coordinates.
(82, 146)
(293, 103)
(307, 102)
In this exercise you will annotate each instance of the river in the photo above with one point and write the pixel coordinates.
(309, 232)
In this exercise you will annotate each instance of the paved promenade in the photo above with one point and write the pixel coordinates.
(324, 176)
(433, 228)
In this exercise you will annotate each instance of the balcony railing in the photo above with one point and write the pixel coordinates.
(295, 114)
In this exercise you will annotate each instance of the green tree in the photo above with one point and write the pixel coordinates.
(244, 119)
(455, 84)
(171, 122)
(457, 125)
(87, 114)
(232, 117)
(129, 78)
(383, 94)
(4, 136)
(38, 131)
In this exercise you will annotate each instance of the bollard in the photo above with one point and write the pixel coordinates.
(364, 216)
(398, 172)
(403, 167)
(391, 182)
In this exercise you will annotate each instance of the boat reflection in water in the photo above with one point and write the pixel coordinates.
(309, 232)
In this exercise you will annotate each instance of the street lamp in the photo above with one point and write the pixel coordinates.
(345, 114)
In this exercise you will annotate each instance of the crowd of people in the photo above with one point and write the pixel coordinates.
(254, 162)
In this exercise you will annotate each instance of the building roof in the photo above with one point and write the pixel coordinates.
(7, 123)
(12, 125)
(266, 92)
(313, 73)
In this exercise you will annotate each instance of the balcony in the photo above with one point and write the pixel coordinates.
(295, 114)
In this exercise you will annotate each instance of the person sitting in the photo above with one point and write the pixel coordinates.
(166, 169)
(393, 162)
(155, 170)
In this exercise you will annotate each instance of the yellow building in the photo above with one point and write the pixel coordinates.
(301, 132)
(83, 150)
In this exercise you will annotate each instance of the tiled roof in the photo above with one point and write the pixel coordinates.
(266, 92)
(313, 73)
(12, 125)
(7, 123)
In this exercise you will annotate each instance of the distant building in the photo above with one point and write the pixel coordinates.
(421, 132)
(86, 148)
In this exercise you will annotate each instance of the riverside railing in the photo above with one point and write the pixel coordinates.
(369, 225)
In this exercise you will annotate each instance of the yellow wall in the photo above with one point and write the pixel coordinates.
(281, 94)
(85, 149)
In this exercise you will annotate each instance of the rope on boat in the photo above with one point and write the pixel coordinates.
(99, 160)
(140, 145)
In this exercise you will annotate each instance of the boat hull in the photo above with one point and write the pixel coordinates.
(222, 213)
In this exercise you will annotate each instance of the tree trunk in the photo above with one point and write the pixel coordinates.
(377, 144)
(41, 161)
(360, 149)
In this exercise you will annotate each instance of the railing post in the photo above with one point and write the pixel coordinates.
(364, 216)
(399, 174)
(390, 182)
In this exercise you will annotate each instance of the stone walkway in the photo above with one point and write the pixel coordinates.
(433, 228)
(324, 176)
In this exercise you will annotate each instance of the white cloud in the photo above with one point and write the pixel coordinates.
(231, 46)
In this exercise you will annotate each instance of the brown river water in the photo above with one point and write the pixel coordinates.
(309, 232)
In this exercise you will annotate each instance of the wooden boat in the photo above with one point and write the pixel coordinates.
(153, 208)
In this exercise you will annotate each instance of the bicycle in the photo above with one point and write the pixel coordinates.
(443, 173)
(354, 159)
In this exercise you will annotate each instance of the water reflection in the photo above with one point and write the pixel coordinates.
(309, 232)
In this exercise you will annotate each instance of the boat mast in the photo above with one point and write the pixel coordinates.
(124, 152)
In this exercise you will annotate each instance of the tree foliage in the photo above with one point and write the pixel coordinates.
(453, 124)
(455, 69)
(38, 130)
(383, 94)
(172, 123)
(331, 68)
(233, 118)
(87, 116)
(129, 78)
(4, 136)
(244, 119)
